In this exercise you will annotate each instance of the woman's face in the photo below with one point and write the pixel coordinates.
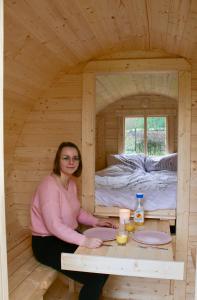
(69, 160)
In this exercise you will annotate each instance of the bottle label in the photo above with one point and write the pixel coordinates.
(139, 216)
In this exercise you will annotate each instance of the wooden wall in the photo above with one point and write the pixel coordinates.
(44, 37)
(51, 119)
(192, 242)
(109, 122)
(55, 117)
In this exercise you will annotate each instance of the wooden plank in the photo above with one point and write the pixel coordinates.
(59, 103)
(138, 65)
(73, 30)
(140, 288)
(17, 86)
(91, 15)
(54, 116)
(145, 112)
(52, 127)
(133, 54)
(100, 143)
(166, 214)
(176, 33)
(25, 15)
(158, 23)
(183, 189)
(42, 139)
(194, 258)
(123, 266)
(35, 284)
(3, 247)
(88, 141)
(24, 75)
(19, 260)
(130, 260)
(171, 142)
(193, 254)
(18, 249)
(59, 289)
(121, 134)
(20, 275)
(15, 233)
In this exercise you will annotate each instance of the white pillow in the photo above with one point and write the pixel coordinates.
(134, 161)
(158, 163)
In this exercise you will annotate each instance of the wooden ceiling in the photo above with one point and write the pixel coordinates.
(110, 88)
(45, 37)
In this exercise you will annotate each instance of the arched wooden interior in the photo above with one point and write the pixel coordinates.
(184, 109)
(47, 45)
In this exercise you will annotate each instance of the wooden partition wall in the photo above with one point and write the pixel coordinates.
(184, 118)
(3, 248)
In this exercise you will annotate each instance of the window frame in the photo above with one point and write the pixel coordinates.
(145, 116)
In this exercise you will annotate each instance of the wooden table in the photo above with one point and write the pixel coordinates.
(128, 260)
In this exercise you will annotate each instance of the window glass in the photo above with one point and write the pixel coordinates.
(134, 135)
(156, 135)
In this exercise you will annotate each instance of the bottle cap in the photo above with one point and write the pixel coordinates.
(139, 195)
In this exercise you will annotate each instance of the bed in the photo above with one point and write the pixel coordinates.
(126, 175)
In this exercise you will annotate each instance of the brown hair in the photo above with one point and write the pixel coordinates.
(56, 164)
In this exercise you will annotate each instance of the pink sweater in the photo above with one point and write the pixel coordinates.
(56, 211)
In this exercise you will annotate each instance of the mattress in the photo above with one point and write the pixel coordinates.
(118, 184)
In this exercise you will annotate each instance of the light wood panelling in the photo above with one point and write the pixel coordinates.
(88, 138)
(183, 160)
(137, 65)
(140, 288)
(39, 157)
(100, 143)
(54, 118)
(113, 116)
(3, 245)
(111, 87)
(193, 185)
(42, 39)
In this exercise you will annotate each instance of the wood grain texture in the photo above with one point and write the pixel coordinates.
(43, 42)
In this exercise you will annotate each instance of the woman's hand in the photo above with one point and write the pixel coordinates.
(91, 243)
(106, 223)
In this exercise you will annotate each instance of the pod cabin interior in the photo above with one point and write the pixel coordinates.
(69, 67)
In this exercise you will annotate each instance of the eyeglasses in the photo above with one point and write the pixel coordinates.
(73, 159)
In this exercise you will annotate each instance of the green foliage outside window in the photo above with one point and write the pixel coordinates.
(156, 135)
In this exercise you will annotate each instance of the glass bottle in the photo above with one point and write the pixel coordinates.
(139, 212)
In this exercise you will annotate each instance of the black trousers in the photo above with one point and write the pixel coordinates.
(47, 250)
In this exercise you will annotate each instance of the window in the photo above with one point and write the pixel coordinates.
(145, 135)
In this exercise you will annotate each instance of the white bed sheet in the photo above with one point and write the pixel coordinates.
(117, 185)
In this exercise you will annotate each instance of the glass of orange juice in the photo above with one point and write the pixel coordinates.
(121, 236)
(129, 226)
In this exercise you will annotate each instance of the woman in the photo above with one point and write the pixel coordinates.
(55, 214)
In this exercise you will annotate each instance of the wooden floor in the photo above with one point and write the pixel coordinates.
(59, 291)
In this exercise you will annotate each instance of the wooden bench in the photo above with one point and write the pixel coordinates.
(28, 279)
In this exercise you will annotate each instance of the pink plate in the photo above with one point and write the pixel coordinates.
(102, 233)
(152, 237)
